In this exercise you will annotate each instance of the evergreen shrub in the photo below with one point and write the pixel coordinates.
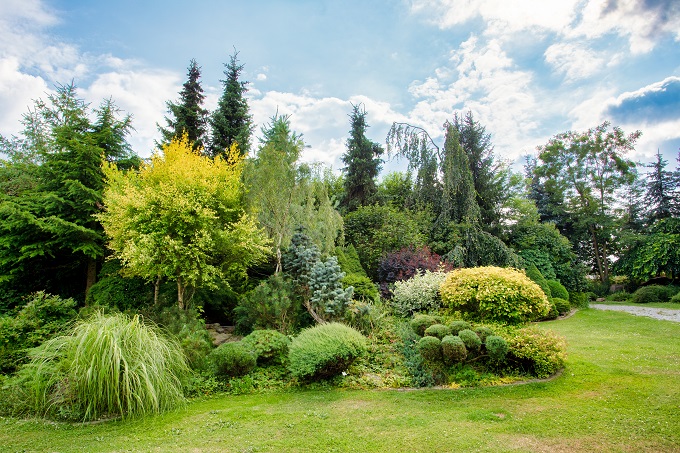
(430, 348)
(497, 348)
(494, 294)
(419, 293)
(364, 289)
(271, 305)
(535, 275)
(270, 346)
(42, 317)
(457, 326)
(675, 299)
(230, 360)
(453, 349)
(561, 305)
(579, 300)
(483, 332)
(654, 293)
(557, 289)
(188, 328)
(438, 330)
(325, 350)
(538, 352)
(421, 322)
(471, 340)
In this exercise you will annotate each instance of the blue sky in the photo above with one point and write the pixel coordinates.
(527, 69)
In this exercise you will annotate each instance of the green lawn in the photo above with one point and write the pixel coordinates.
(619, 392)
(671, 305)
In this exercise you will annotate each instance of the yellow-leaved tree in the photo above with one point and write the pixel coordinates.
(181, 217)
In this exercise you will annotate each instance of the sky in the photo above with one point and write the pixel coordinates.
(526, 69)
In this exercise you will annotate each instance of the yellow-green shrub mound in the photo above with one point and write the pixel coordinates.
(495, 294)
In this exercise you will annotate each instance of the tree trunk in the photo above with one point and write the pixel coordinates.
(91, 275)
(596, 250)
(156, 289)
(180, 293)
(314, 314)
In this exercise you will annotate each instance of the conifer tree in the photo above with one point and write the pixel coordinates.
(458, 199)
(231, 122)
(362, 163)
(659, 190)
(188, 115)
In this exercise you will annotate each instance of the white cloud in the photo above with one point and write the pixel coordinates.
(575, 61)
(17, 92)
(140, 92)
(488, 83)
(323, 121)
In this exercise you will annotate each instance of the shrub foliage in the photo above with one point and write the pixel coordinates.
(419, 293)
(494, 294)
(325, 350)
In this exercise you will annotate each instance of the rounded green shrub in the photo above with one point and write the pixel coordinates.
(453, 349)
(418, 293)
(457, 326)
(471, 340)
(232, 360)
(430, 348)
(270, 346)
(557, 289)
(325, 350)
(541, 353)
(494, 294)
(421, 322)
(619, 296)
(483, 332)
(579, 300)
(438, 330)
(675, 299)
(497, 348)
(653, 293)
(535, 275)
(364, 288)
(552, 313)
(562, 306)
(108, 365)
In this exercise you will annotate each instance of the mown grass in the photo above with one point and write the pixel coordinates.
(619, 392)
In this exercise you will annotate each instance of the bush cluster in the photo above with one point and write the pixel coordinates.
(324, 351)
(233, 359)
(438, 330)
(41, 318)
(405, 264)
(557, 289)
(269, 346)
(540, 353)
(561, 305)
(421, 322)
(654, 293)
(419, 293)
(494, 294)
(271, 305)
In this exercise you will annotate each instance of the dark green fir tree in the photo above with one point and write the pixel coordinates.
(362, 161)
(231, 122)
(187, 116)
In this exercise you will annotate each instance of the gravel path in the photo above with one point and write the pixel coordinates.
(666, 314)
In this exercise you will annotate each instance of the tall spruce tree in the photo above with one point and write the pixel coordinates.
(659, 190)
(231, 122)
(486, 172)
(458, 203)
(188, 115)
(362, 162)
(49, 239)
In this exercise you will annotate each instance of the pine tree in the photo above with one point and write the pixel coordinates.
(188, 115)
(231, 122)
(459, 204)
(362, 163)
(659, 190)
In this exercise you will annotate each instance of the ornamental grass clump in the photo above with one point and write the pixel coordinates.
(324, 351)
(494, 294)
(110, 365)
